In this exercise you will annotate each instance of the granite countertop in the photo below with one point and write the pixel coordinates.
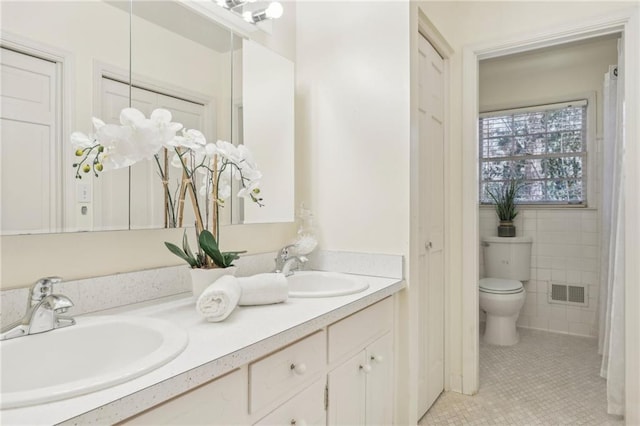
(214, 349)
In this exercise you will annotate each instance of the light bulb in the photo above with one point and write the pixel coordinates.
(248, 16)
(274, 11)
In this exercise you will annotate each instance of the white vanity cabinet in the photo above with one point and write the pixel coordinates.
(360, 386)
(288, 373)
(307, 408)
(339, 375)
(222, 401)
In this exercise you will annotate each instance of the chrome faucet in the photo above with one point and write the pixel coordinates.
(287, 264)
(44, 311)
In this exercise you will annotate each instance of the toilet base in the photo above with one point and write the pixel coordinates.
(501, 330)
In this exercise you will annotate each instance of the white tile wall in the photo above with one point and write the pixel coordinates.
(566, 249)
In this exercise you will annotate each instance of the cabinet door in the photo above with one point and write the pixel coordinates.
(347, 386)
(379, 394)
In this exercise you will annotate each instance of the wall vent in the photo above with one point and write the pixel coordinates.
(568, 294)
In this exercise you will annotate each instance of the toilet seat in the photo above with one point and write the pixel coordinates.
(500, 286)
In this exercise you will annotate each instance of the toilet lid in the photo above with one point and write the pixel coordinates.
(500, 286)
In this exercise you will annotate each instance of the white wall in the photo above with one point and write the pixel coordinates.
(353, 106)
(352, 129)
(566, 247)
(470, 23)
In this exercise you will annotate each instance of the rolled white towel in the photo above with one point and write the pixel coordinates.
(263, 289)
(219, 299)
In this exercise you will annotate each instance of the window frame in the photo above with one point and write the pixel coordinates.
(589, 175)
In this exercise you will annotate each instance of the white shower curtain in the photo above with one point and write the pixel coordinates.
(611, 338)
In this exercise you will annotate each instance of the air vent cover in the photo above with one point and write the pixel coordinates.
(568, 294)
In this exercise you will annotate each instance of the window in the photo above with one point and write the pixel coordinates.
(544, 147)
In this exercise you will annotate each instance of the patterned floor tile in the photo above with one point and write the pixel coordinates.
(546, 379)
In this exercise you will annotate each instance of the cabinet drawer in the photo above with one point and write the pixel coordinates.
(283, 373)
(306, 408)
(220, 402)
(353, 333)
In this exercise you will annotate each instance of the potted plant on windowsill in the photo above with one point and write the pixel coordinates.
(505, 204)
(206, 168)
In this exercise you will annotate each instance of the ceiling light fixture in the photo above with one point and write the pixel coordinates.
(273, 11)
(232, 4)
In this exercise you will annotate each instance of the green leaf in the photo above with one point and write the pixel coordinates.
(230, 256)
(185, 245)
(181, 254)
(505, 200)
(209, 245)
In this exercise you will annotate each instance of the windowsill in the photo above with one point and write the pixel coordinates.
(549, 207)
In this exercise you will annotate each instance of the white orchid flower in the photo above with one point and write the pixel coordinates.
(132, 117)
(224, 186)
(119, 148)
(246, 158)
(251, 174)
(229, 151)
(166, 129)
(80, 140)
(191, 139)
(211, 150)
(97, 123)
(249, 188)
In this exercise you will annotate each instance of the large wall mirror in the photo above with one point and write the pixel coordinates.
(65, 62)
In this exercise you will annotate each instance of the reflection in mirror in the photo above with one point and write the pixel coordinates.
(264, 122)
(182, 63)
(53, 53)
(228, 88)
(70, 62)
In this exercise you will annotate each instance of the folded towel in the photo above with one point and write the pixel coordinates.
(263, 289)
(219, 299)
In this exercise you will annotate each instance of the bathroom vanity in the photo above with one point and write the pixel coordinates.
(306, 361)
(342, 372)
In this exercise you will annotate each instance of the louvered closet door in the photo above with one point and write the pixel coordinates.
(431, 205)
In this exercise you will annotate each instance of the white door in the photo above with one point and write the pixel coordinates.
(431, 227)
(380, 382)
(347, 392)
(29, 145)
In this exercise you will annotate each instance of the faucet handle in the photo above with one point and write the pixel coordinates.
(43, 288)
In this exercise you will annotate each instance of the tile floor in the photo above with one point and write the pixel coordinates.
(546, 379)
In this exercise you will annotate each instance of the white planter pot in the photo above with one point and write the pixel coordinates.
(203, 278)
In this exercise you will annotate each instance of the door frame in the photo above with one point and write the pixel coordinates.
(626, 23)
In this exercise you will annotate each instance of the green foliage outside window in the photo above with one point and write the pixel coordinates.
(544, 150)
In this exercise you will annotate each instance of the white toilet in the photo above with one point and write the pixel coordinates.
(507, 262)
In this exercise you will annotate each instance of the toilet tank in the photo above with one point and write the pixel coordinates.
(507, 257)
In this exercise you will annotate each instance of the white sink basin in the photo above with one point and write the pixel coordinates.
(324, 284)
(96, 353)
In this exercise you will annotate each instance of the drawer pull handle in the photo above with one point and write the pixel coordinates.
(366, 368)
(295, 422)
(299, 368)
(377, 358)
